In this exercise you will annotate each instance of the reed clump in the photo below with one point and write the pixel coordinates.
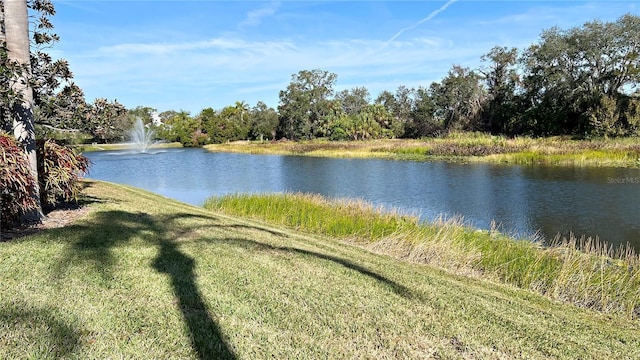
(353, 219)
(585, 272)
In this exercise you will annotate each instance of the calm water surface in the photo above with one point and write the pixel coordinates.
(523, 200)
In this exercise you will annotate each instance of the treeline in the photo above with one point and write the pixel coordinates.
(582, 82)
(231, 123)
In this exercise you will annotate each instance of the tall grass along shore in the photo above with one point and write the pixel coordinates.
(464, 146)
(140, 276)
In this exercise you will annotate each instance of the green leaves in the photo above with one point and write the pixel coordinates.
(574, 75)
(305, 104)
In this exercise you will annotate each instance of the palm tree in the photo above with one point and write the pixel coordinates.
(241, 107)
(16, 36)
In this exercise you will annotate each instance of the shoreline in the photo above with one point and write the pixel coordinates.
(459, 147)
(123, 146)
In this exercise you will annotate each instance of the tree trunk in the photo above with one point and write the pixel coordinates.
(2, 32)
(16, 27)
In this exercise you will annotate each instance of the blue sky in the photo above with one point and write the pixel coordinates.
(191, 55)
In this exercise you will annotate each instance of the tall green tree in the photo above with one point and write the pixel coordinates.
(167, 115)
(353, 101)
(306, 104)
(423, 120)
(144, 113)
(386, 99)
(57, 103)
(35, 91)
(109, 121)
(54, 94)
(400, 105)
(458, 99)
(241, 108)
(502, 80)
(572, 75)
(186, 129)
(264, 122)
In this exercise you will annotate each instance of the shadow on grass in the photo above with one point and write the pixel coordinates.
(249, 244)
(46, 333)
(256, 228)
(206, 337)
(252, 244)
(97, 239)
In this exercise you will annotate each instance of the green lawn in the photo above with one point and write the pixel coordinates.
(145, 277)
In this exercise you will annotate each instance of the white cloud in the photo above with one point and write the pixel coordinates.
(254, 17)
(257, 70)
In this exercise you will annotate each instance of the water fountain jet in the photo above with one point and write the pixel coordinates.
(141, 136)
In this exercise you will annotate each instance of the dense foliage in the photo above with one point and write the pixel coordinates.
(16, 183)
(583, 82)
(235, 122)
(46, 100)
(60, 170)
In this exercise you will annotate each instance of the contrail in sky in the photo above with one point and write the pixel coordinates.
(429, 17)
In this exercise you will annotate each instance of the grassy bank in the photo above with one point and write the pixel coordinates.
(462, 147)
(598, 278)
(141, 276)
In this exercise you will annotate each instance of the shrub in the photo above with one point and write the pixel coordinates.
(60, 170)
(17, 186)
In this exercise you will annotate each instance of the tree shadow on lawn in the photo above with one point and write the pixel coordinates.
(109, 229)
(252, 244)
(206, 336)
(45, 332)
(106, 230)
(97, 238)
(249, 244)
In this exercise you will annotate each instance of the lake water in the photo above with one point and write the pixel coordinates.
(523, 200)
